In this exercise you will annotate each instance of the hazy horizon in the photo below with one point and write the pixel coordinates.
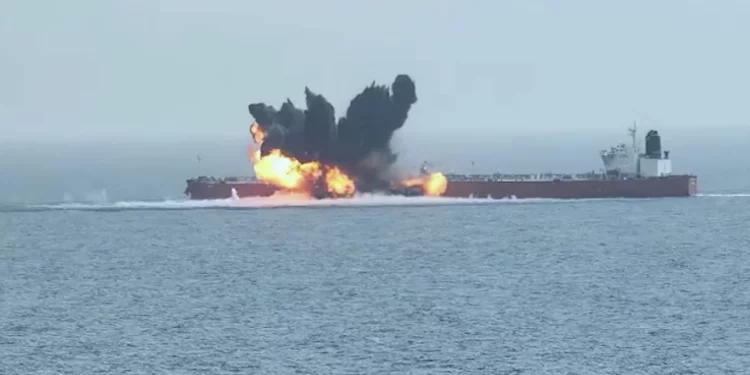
(54, 171)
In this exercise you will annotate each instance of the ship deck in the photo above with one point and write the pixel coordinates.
(544, 177)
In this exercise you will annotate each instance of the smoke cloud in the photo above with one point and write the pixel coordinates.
(358, 143)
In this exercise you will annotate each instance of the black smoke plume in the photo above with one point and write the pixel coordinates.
(358, 143)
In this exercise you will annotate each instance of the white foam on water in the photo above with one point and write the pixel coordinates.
(730, 195)
(284, 200)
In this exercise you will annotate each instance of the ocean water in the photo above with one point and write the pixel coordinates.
(377, 286)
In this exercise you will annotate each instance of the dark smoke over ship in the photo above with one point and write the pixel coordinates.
(309, 151)
(358, 143)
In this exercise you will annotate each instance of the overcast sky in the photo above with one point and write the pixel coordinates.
(186, 68)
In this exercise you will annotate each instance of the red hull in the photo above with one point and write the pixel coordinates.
(673, 186)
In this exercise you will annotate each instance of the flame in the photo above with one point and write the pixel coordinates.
(339, 184)
(433, 184)
(258, 134)
(290, 174)
(282, 171)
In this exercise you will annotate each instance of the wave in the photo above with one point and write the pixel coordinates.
(279, 201)
(100, 202)
(726, 195)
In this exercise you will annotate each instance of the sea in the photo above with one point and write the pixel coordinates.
(377, 285)
(105, 268)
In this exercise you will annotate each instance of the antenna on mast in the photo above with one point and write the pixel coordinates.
(200, 170)
(631, 132)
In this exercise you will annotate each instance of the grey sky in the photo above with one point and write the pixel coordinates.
(187, 68)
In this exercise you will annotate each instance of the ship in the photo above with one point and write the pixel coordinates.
(627, 173)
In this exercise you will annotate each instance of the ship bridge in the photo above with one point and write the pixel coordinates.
(626, 160)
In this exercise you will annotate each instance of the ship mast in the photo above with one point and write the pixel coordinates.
(631, 132)
(200, 169)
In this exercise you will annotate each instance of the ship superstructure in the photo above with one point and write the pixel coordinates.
(625, 161)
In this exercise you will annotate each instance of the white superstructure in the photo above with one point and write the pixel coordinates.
(655, 167)
(627, 161)
(622, 159)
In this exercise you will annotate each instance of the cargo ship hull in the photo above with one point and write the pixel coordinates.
(628, 173)
(670, 186)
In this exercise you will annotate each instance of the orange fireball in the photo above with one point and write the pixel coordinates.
(258, 135)
(339, 184)
(433, 184)
(282, 171)
(288, 173)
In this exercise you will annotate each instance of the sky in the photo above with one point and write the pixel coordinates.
(149, 70)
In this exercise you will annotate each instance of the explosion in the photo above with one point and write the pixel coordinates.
(433, 184)
(308, 151)
(258, 135)
(289, 174)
